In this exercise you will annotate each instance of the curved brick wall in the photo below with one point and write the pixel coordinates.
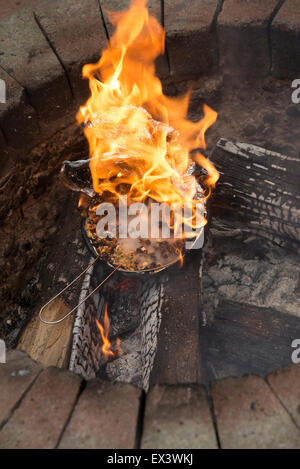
(50, 408)
(43, 50)
(41, 55)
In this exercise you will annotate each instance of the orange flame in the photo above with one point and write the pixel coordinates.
(104, 331)
(138, 137)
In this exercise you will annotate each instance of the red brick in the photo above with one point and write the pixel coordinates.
(249, 415)
(154, 7)
(178, 417)
(39, 420)
(190, 42)
(27, 57)
(105, 417)
(76, 32)
(286, 384)
(15, 377)
(285, 37)
(243, 35)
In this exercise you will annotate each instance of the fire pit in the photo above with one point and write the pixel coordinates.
(167, 324)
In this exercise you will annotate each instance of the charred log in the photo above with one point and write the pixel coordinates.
(259, 191)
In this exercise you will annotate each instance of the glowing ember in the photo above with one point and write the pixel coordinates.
(106, 345)
(139, 139)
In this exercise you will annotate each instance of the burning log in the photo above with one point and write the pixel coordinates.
(259, 191)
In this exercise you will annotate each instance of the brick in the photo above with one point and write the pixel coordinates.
(105, 417)
(15, 377)
(243, 35)
(190, 41)
(39, 420)
(76, 32)
(28, 58)
(178, 417)
(249, 415)
(286, 385)
(17, 118)
(154, 7)
(285, 40)
(7, 8)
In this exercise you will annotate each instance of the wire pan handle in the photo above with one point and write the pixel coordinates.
(157, 269)
(69, 285)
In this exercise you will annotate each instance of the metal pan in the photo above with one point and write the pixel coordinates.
(195, 247)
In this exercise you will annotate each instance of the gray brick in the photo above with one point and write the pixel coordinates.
(15, 377)
(75, 30)
(286, 384)
(105, 417)
(178, 417)
(285, 38)
(190, 42)
(39, 420)
(243, 37)
(27, 57)
(249, 415)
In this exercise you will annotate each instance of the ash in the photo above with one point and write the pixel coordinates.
(134, 311)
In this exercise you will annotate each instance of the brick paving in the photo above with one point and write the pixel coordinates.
(178, 417)
(33, 64)
(250, 416)
(286, 385)
(40, 418)
(15, 378)
(77, 34)
(105, 417)
(53, 408)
